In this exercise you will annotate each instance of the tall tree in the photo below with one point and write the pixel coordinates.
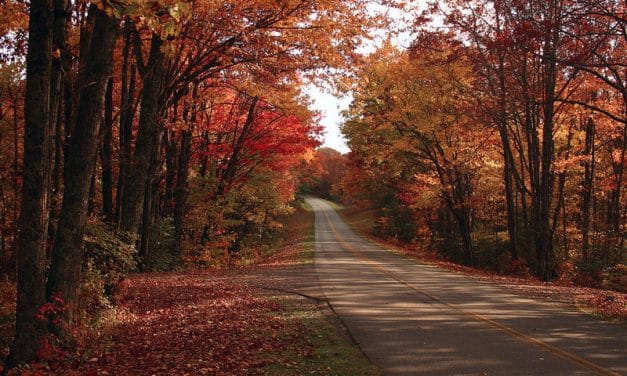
(33, 226)
(67, 255)
(137, 178)
(106, 153)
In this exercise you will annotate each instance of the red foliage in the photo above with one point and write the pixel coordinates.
(198, 323)
(275, 140)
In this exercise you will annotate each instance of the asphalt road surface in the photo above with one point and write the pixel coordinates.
(414, 319)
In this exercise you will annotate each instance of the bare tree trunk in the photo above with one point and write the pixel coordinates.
(91, 200)
(126, 122)
(150, 200)
(544, 233)
(146, 227)
(171, 147)
(33, 225)
(67, 256)
(587, 186)
(509, 195)
(57, 172)
(106, 151)
(148, 134)
(616, 237)
(4, 256)
(68, 108)
(181, 189)
(229, 172)
(16, 191)
(61, 16)
(508, 160)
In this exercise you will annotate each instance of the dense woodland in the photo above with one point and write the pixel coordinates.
(151, 135)
(158, 135)
(499, 139)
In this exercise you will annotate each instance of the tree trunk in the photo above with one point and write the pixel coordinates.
(544, 234)
(91, 201)
(465, 232)
(180, 208)
(146, 227)
(508, 160)
(126, 122)
(509, 194)
(57, 172)
(171, 146)
(106, 151)
(60, 16)
(68, 107)
(4, 256)
(67, 257)
(16, 191)
(148, 133)
(150, 199)
(614, 220)
(33, 224)
(227, 176)
(587, 186)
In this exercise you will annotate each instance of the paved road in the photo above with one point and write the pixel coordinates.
(415, 319)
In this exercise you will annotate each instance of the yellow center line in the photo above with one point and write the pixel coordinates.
(583, 363)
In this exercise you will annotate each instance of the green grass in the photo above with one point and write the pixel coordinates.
(321, 346)
(319, 343)
(335, 205)
(308, 244)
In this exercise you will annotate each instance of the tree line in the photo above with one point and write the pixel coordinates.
(499, 138)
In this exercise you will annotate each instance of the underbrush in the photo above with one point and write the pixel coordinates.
(295, 245)
(108, 260)
(7, 316)
(277, 245)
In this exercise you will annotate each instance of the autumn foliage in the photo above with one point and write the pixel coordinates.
(161, 135)
(500, 143)
(164, 133)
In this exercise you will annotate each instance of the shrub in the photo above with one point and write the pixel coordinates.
(161, 250)
(93, 291)
(108, 260)
(589, 273)
(615, 278)
(7, 316)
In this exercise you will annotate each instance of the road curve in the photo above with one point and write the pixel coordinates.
(414, 319)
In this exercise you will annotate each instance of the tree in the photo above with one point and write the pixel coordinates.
(33, 225)
(11, 123)
(325, 174)
(67, 254)
(407, 121)
(269, 42)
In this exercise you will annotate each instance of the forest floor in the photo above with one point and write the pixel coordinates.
(265, 319)
(606, 304)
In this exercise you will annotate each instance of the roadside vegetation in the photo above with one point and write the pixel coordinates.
(210, 321)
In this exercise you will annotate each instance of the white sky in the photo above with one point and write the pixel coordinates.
(331, 106)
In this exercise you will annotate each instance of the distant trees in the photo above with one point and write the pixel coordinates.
(323, 173)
